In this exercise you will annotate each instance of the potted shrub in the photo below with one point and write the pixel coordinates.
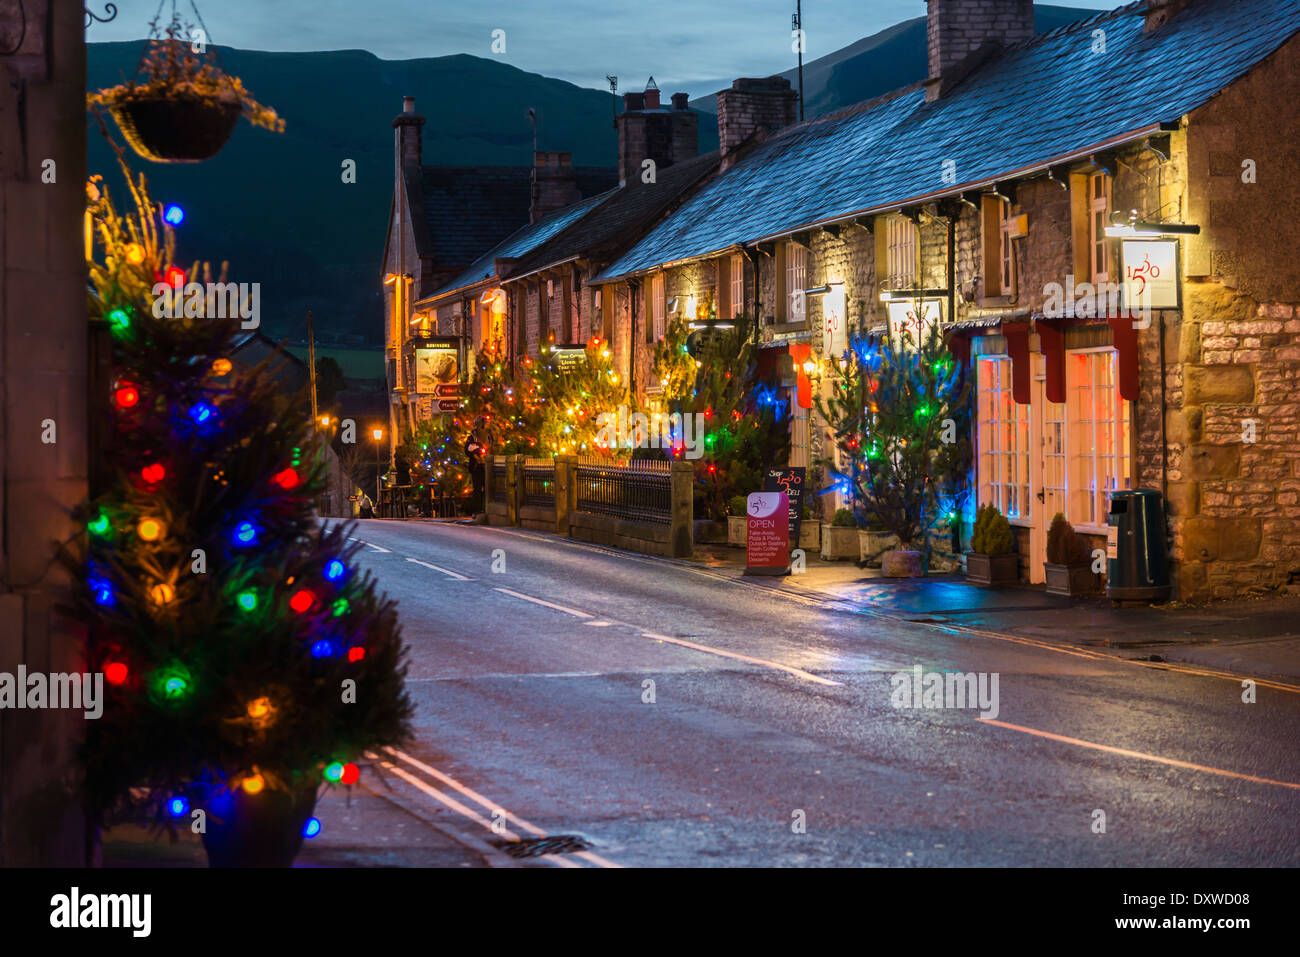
(182, 107)
(992, 560)
(810, 532)
(840, 537)
(873, 542)
(737, 522)
(1069, 560)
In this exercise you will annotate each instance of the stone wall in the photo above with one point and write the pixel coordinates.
(43, 381)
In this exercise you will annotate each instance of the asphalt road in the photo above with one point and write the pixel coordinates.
(770, 709)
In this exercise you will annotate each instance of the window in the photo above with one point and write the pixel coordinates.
(658, 308)
(796, 275)
(1006, 249)
(737, 285)
(1098, 217)
(1003, 441)
(901, 252)
(1097, 435)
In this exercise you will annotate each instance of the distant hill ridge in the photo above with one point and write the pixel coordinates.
(277, 208)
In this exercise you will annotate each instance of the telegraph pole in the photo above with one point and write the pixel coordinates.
(798, 27)
(311, 368)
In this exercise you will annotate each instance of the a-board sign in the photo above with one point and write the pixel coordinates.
(790, 481)
(767, 548)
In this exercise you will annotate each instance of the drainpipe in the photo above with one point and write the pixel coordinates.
(632, 298)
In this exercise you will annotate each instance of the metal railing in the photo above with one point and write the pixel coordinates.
(500, 480)
(539, 482)
(640, 490)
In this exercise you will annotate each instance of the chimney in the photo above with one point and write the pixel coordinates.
(1160, 12)
(648, 130)
(753, 105)
(554, 183)
(962, 34)
(408, 134)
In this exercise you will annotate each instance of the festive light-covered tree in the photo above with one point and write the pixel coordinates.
(248, 659)
(437, 456)
(744, 434)
(901, 422)
(569, 395)
(502, 412)
(675, 367)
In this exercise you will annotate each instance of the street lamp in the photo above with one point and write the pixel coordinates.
(378, 435)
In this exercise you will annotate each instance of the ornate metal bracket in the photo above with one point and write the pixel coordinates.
(110, 14)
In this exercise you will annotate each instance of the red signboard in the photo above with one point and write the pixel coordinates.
(447, 390)
(448, 405)
(767, 549)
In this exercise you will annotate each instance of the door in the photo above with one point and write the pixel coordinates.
(1048, 467)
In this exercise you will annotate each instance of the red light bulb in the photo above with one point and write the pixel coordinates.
(153, 474)
(287, 479)
(126, 395)
(175, 277)
(351, 773)
(356, 654)
(115, 673)
(302, 601)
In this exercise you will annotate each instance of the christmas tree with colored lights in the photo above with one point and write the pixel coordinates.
(248, 660)
(569, 394)
(900, 416)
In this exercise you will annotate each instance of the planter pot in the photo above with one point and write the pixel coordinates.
(711, 532)
(992, 569)
(180, 130)
(737, 530)
(901, 563)
(1070, 580)
(810, 536)
(263, 830)
(873, 544)
(839, 542)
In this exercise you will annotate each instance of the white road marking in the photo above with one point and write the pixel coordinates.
(461, 809)
(386, 551)
(446, 571)
(598, 624)
(547, 604)
(763, 662)
(490, 807)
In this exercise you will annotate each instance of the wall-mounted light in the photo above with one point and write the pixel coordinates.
(1140, 229)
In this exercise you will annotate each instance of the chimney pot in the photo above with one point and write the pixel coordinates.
(753, 104)
(652, 99)
(408, 104)
(634, 101)
(681, 101)
(960, 34)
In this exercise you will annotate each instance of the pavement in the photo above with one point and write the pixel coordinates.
(625, 710)
(1250, 637)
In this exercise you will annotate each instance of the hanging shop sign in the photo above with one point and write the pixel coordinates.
(789, 481)
(1150, 274)
(910, 320)
(835, 325)
(437, 364)
(767, 548)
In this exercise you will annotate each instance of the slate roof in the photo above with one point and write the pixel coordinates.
(469, 209)
(520, 243)
(1047, 100)
(622, 216)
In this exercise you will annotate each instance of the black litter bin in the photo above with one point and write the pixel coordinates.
(1137, 567)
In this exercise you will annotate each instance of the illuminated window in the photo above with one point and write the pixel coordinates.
(902, 256)
(796, 275)
(1006, 249)
(737, 285)
(1098, 217)
(658, 307)
(1097, 435)
(1003, 441)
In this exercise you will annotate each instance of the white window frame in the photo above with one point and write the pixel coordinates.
(902, 239)
(1098, 458)
(737, 277)
(796, 278)
(658, 306)
(1099, 197)
(1006, 249)
(1005, 467)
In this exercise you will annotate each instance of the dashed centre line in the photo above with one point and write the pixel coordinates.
(438, 568)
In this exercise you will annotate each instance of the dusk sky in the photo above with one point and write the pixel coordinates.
(695, 45)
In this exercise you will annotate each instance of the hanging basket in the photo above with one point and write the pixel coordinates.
(176, 130)
(262, 830)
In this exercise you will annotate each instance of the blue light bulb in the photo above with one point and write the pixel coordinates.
(311, 828)
(245, 533)
(178, 807)
(334, 570)
(173, 215)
